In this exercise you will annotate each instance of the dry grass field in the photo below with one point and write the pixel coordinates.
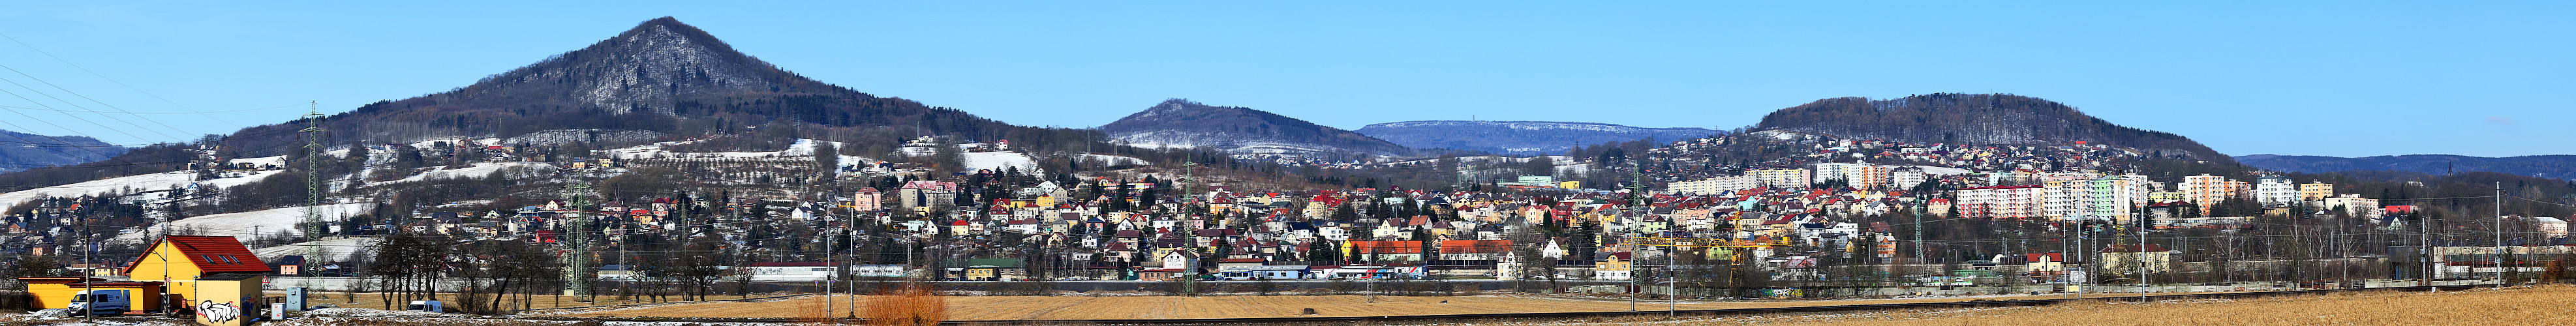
(2544, 305)
(1160, 307)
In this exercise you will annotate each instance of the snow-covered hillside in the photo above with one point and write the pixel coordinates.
(478, 170)
(341, 249)
(1116, 160)
(998, 161)
(243, 225)
(562, 136)
(802, 147)
(126, 185)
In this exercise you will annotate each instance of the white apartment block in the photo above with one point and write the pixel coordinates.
(2275, 191)
(1831, 171)
(2006, 202)
(1905, 177)
(2102, 197)
(1783, 178)
(2354, 205)
(1711, 186)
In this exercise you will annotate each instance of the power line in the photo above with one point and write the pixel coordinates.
(91, 100)
(191, 112)
(65, 102)
(113, 80)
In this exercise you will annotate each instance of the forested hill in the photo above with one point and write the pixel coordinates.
(1179, 123)
(661, 76)
(1975, 119)
(19, 150)
(2541, 166)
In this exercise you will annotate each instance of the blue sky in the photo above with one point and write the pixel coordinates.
(2321, 78)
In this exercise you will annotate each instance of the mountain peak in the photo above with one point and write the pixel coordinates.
(670, 32)
(1184, 123)
(646, 68)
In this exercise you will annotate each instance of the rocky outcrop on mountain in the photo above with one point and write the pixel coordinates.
(1179, 123)
(1518, 137)
(1975, 119)
(2541, 166)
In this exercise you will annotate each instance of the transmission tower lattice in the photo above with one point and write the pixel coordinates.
(312, 180)
(576, 257)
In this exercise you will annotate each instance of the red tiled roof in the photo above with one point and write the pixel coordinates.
(211, 254)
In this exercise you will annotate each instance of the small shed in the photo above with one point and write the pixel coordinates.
(227, 299)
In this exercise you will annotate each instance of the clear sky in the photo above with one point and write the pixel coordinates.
(2321, 78)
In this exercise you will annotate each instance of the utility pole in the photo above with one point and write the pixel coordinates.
(1637, 200)
(313, 180)
(2499, 233)
(88, 252)
(2080, 229)
(2424, 244)
(2142, 252)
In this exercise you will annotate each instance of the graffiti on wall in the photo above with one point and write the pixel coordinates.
(218, 312)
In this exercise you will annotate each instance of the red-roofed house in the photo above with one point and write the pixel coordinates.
(210, 270)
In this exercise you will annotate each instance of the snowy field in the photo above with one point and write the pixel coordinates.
(243, 225)
(1116, 160)
(126, 185)
(511, 169)
(802, 147)
(333, 250)
(999, 161)
(564, 136)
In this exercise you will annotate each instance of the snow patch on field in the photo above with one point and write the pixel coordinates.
(802, 147)
(564, 136)
(126, 185)
(261, 161)
(998, 161)
(341, 249)
(1116, 160)
(243, 225)
(510, 169)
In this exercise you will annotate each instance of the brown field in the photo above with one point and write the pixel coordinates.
(1160, 307)
(2544, 305)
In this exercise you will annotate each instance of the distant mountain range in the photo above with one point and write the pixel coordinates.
(1179, 123)
(2540, 166)
(1974, 119)
(19, 151)
(1518, 137)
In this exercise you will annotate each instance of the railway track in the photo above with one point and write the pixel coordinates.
(1583, 315)
(1536, 316)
